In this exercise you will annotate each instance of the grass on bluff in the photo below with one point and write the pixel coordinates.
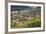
(36, 22)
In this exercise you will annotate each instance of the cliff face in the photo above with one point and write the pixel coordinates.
(25, 14)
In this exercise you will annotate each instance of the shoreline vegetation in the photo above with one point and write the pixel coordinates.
(36, 22)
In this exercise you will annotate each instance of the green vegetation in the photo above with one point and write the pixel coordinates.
(36, 22)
